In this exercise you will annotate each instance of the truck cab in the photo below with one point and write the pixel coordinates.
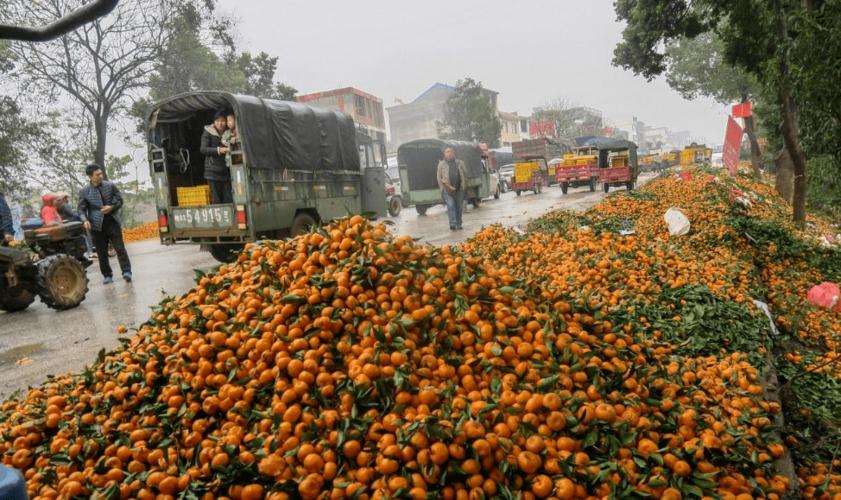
(293, 167)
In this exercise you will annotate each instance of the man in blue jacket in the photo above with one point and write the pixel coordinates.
(99, 206)
(7, 228)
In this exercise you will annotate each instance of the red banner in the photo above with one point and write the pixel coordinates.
(742, 110)
(732, 145)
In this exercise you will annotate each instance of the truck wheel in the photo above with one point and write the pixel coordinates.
(16, 299)
(476, 202)
(630, 185)
(564, 187)
(62, 282)
(421, 209)
(302, 224)
(496, 194)
(225, 252)
(606, 187)
(518, 192)
(394, 206)
(592, 184)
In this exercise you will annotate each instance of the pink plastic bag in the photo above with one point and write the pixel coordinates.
(825, 295)
(685, 176)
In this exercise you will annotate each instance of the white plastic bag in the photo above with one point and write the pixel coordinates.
(678, 223)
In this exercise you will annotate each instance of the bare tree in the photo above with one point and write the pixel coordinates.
(99, 67)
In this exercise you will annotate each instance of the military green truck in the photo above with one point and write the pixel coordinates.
(418, 167)
(294, 167)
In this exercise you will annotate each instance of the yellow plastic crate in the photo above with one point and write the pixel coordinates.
(193, 196)
(619, 161)
(523, 171)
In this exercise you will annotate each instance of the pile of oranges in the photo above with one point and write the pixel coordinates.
(142, 232)
(349, 363)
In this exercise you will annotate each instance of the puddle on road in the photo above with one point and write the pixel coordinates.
(16, 353)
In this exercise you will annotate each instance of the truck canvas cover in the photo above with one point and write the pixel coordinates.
(421, 158)
(275, 134)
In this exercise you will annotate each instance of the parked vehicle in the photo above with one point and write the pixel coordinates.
(50, 263)
(418, 164)
(695, 154)
(530, 174)
(543, 147)
(506, 177)
(618, 165)
(294, 167)
(579, 168)
(393, 194)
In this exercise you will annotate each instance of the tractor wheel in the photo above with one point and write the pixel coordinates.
(606, 187)
(394, 206)
(564, 187)
(16, 299)
(62, 282)
(592, 184)
(225, 252)
(302, 224)
(421, 209)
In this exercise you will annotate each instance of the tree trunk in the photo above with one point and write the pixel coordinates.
(788, 115)
(101, 130)
(785, 175)
(755, 152)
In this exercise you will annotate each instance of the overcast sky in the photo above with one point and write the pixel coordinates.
(530, 51)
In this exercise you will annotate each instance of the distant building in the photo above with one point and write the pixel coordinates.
(419, 119)
(366, 109)
(510, 128)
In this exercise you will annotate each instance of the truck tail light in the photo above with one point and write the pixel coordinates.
(240, 216)
(163, 223)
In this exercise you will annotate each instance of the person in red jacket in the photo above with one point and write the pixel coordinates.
(49, 211)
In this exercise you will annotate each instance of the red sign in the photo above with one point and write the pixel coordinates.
(742, 110)
(732, 145)
(541, 128)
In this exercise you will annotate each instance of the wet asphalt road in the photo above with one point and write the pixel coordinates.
(40, 341)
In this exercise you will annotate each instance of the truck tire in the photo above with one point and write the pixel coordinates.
(421, 209)
(225, 252)
(394, 206)
(302, 224)
(630, 185)
(592, 184)
(62, 282)
(518, 192)
(564, 187)
(606, 187)
(476, 202)
(496, 194)
(16, 299)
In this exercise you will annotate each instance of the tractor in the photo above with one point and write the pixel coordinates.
(49, 263)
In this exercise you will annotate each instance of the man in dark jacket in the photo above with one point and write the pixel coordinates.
(7, 228)
(99, 206)
(216, 171)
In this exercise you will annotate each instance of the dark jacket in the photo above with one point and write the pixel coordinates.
(444, 176)
(6, 225)
(92, 199)
(67, 213)
(215, 168)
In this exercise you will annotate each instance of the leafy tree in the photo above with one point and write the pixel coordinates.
(99, 67)
(191, 61)
(15, 132)
(756, 37)
(696, 67)
(570, 121)
(470, 115)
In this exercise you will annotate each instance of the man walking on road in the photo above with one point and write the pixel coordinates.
(452, 181)
(99, 206)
